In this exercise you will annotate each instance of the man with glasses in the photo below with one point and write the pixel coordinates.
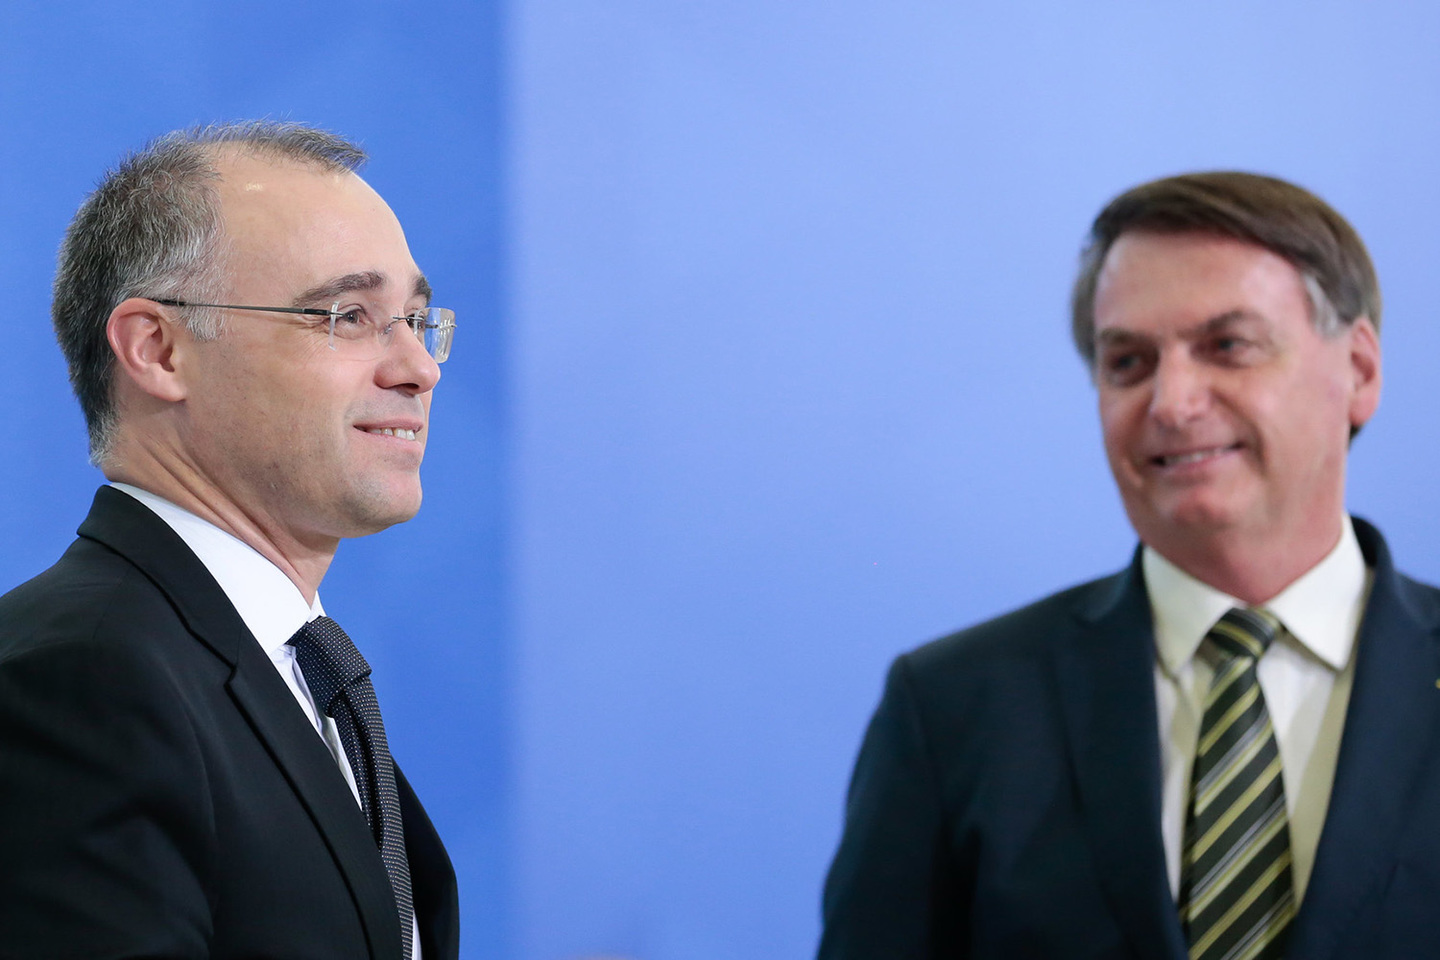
(192, 759)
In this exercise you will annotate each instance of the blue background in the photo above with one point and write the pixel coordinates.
(764, 372)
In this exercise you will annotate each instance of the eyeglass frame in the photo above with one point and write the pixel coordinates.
(417, 324)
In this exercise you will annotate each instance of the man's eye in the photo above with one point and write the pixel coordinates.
(352, 323)
(1123, 368)
(1230, 348)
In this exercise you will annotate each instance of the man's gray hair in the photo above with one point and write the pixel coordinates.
(152, 229)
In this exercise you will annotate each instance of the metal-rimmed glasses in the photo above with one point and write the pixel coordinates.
(358, 334)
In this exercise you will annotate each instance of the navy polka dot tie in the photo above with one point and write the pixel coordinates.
(339, 680)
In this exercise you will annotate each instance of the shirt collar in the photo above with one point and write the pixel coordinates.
(266, 599)
(1321, 609)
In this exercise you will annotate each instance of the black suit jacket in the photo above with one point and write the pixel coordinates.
(161, 792)
(1006, 801)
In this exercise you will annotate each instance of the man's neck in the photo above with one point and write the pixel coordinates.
(1252, 570)
(304, 564)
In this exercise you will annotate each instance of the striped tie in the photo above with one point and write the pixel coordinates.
(1236, 894)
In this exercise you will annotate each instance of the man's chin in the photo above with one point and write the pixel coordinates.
(1190, 519)
(381, 510)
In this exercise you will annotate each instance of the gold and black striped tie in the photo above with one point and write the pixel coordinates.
(1237, 897)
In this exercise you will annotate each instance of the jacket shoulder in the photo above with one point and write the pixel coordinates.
(1027, 632)
(1421, 600)
(90, 592)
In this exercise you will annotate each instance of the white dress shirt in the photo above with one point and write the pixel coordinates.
(1305, 677)
(269, 603)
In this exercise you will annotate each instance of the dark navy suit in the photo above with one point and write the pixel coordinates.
(162, 794)
(1006, 801)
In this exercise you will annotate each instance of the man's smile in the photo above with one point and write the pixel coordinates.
(400, 432)
(1186, 458)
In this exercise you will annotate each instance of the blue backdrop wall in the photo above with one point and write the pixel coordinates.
(764, 374)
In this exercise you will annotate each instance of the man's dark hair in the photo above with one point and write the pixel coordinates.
(152, 229)
(1285, 219)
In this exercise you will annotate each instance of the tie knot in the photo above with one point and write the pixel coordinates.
(1244, 632)
(329, 660)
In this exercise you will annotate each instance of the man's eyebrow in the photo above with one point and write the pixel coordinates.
(1112, 335)
(1222, 320)
(1209, 327)
(422, 289)
(332, 290)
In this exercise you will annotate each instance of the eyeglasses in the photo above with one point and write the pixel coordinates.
(355, 333)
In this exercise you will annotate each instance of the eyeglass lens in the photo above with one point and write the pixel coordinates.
(434, 327)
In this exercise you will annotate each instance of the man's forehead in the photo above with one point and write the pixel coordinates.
(1210, 274)
(1186, 249)
(321, 232)
(249, 182)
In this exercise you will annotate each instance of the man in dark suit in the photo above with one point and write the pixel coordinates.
(192, 761)
(1229, 748)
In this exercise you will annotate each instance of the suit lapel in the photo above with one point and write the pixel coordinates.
(311, 771)
(129, 528)
(1389, 734)
(437, 903)
(1107, 684)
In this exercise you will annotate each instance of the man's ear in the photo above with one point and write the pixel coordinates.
(145, 345)
(1365, 371)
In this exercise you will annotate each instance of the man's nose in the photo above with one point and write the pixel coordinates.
(1181, 391)
(407, 363)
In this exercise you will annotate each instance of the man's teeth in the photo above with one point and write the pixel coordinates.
(390, 432)
(1193, 457)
